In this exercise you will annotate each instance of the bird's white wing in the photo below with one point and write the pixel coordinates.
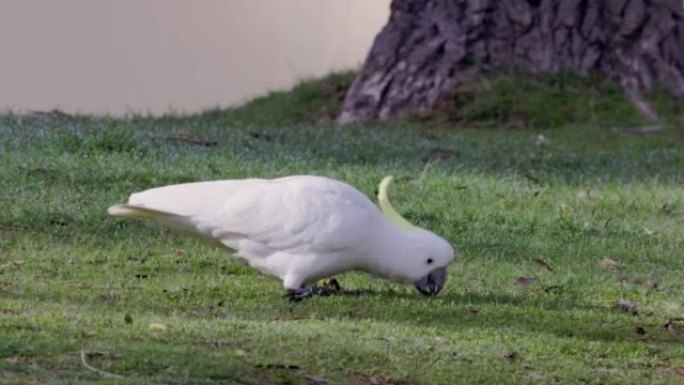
(295, 214)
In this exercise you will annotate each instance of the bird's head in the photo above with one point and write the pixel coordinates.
(424, 255)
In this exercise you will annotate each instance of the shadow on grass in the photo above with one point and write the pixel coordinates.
(452, 312)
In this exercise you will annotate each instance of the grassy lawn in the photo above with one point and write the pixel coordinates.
(550, 238)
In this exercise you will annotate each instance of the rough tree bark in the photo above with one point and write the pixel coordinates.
(430, 46)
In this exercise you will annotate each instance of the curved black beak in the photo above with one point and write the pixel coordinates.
(432, 283)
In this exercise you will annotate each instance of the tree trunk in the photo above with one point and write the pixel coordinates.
(430, 46)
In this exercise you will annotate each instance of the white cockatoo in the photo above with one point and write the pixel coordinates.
(300, 229)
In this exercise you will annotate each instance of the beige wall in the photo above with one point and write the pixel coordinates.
(118, 56)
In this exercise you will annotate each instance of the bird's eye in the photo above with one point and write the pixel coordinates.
(429, 261)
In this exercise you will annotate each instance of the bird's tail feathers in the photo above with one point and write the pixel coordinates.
(172, 221)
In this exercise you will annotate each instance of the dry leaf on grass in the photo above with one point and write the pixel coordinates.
(646, 284)
(673, 370)
(12, 359)
(627, 306)
(670, 327)
(18, 262)
(671, 324)
(543, 264)
(158, 327)
(525, 282)
(608, 263)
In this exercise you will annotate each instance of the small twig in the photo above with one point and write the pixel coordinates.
(607, 222)
(96, 370)
(543, 264)
(188, 140)
(532, 178)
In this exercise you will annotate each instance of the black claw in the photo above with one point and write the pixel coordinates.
(327, 287)
(324, 287)
(323, 291)
(298, 294)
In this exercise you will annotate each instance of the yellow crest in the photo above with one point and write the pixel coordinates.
(386, 207)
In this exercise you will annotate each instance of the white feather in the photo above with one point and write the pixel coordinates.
(299, 229)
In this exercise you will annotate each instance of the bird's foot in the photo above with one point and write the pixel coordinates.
(324, 287)
(296, 295)
(328, 286)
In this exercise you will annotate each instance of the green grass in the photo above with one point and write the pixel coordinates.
(74, 278)
(548, 101)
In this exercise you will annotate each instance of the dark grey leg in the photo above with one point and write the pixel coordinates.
(299, 294)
